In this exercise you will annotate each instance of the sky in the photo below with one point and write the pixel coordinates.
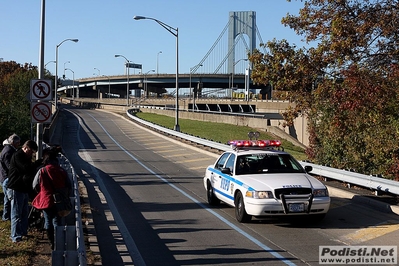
(106, 28)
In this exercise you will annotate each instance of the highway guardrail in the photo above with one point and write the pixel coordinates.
(374, 183)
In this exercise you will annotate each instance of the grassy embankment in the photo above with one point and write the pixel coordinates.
(218, 132)
(15, 253)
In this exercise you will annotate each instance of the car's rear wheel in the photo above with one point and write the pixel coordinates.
(241, 215)
(210, 194)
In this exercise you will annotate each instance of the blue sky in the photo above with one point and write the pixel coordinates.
(106, 28)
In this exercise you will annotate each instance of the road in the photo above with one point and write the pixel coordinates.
(149, 204)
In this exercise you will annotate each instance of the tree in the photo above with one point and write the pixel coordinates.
(346, 83)
(14, 105)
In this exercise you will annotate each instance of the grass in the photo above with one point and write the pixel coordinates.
(15, 253)
(218, 132)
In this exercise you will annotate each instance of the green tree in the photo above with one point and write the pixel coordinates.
(346, 83)
(15, 107)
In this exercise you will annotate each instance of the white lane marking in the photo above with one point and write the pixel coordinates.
(233, 226)
(130, 244)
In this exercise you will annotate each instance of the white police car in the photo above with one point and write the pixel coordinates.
(259, 179)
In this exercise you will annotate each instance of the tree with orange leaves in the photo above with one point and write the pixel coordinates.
(346, 83)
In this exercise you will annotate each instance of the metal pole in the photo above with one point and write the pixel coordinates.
(160, 52)
(127, 90)
(174, 32)
(56, 70)
(177, 127)
(39, 128)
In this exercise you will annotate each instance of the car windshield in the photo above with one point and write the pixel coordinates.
(267, 163)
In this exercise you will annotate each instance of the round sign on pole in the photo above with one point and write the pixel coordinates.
(41, 112)
(40, 90)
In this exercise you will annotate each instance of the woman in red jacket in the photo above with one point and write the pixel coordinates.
(50, 178)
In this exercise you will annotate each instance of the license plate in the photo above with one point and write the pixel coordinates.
(296, 207)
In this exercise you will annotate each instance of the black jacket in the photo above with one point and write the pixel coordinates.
(22, 171)
(5, 158)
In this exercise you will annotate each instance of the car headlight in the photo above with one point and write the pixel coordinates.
(259, 194)
(320, 192)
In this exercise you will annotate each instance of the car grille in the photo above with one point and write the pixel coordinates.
(292, 191)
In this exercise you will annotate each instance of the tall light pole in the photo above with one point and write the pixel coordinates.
(56, 69)
(64, 68)
(73, 81)
(145, 82)
(127, 87)
(174, 32)
(160, 52)
(232, 75)
(191, 71)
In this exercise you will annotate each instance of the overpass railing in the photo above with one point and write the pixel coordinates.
(374, 183)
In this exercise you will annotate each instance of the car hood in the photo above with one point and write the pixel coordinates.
(273, 181)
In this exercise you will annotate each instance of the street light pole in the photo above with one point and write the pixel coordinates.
(232, 75)
(160, 52)
(174, 32)
(56, 69)
(145, 83)
(127, 87)
(73, 81)
(64, 68)
(191, 91)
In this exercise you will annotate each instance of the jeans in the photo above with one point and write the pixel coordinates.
(19, 214)
(51, 219)
(7, 202)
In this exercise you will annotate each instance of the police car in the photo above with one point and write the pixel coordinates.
(259, 179)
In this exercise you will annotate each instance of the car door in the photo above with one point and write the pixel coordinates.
(224, 180)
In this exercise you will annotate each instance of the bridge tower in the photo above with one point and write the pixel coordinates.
(241, 22)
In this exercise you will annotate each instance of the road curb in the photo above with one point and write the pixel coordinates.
(375, 204)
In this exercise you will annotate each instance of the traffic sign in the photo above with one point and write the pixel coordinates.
(40, 90)
(41, 112)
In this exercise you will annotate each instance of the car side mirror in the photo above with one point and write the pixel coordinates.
(226, 171)
(308, 168)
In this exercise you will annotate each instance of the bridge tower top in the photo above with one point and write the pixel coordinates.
(241, 22)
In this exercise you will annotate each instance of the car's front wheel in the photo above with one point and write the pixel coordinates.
(241, 215)
(210, 194)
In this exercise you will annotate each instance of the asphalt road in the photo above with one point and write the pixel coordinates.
(149, 204)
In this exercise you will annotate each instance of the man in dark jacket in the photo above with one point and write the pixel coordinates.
(10, 147)
(21, 173)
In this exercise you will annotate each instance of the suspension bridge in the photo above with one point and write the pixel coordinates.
(223, 72)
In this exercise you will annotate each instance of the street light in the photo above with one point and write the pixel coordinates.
(73, 82)
(56, 69)
(64, 68)
(191, 70)
(174, 32)
(98, 71)
(145, 82)
(232, 76)
(160, 52)
(127, 87)
(49, 63)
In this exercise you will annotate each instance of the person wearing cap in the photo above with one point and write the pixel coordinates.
(11, 145)
(20, 177)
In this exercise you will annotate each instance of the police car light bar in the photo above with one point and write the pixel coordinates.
(254, 143)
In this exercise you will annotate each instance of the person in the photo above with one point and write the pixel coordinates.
(50, 178)
(20, 178)
(11, 145)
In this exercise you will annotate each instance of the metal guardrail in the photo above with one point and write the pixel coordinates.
(377, 184)
(371, 182)
(70, 246)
